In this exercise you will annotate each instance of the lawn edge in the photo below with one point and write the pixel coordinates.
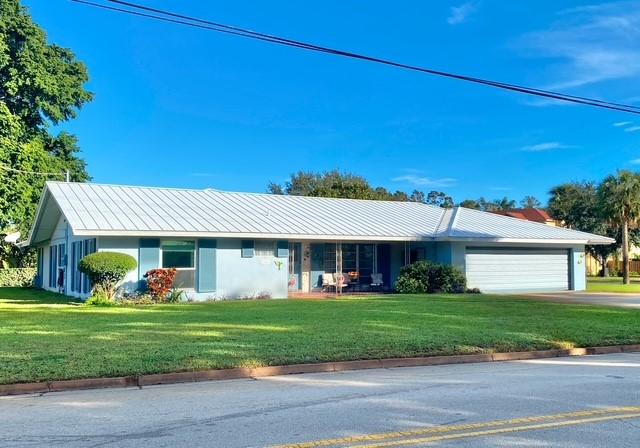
(140, 381)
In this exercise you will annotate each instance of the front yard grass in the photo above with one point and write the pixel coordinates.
(43, 336)
(613, 284)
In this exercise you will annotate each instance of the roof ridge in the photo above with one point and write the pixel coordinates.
(252, 193)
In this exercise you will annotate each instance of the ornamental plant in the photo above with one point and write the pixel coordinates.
(160, 282)
(426, 277)
(106, 270)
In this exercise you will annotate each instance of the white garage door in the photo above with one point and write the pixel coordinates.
(517, 269)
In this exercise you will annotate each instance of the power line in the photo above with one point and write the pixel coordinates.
(171, 17)
(39, 173)
(325, 49)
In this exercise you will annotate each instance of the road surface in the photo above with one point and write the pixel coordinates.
(589, 401)
(592, 298)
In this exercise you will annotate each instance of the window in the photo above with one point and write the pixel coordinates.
(62, 255)
(246, 250)
(181, 256)
(265, 248)
(178, 254)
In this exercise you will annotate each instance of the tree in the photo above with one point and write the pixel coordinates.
(336, 184)
(504, 204)
(41, 86)
(489, 206)
(470, 203)
(418, 196)
(440, 199)
(620, 203)
(530, 202)
(577, 206)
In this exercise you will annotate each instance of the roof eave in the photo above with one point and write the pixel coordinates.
(248, 235)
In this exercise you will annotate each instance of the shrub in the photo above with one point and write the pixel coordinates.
(100, 299)
(175, 295)
(446, 278)
(135, 298)
(106, 270)
(414, 278)
(425, 277)
(160, 282)
(17, 277)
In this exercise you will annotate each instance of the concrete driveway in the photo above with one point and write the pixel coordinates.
(591, 401)
(591, 298)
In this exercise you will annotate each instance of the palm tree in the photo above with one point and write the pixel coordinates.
(620, 202)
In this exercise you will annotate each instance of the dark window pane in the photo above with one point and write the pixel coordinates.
(175, 259)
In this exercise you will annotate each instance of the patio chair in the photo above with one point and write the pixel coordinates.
(341, 281)
(376, 281)
(328, 282)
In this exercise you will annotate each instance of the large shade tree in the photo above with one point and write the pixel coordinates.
(336, 184)
(577, 205)
(620, 202)
(41, 86)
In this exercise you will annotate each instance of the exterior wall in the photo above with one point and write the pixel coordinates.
(61, 235)
(125, 245)
(236, 277)
(239, 277)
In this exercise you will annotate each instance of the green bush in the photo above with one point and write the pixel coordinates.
(100, 300)
(17, 277)
(414, 278)
(425, 277)
(106, 270)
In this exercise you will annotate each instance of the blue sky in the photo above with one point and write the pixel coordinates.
(182, 107)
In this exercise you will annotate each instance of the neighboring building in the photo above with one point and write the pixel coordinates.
(528, 214)
(230, 245)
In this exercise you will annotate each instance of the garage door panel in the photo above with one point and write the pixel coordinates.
(496, 270)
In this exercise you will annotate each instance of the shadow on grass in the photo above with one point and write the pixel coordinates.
(32, 296)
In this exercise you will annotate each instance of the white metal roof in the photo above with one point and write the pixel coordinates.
(100, 209)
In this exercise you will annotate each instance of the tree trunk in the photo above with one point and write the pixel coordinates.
(625, 253)
(603, 262)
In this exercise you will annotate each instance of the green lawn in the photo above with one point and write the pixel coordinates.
(612, 284)
(45, 337)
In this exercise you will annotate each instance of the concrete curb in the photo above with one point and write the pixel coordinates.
(338, 366)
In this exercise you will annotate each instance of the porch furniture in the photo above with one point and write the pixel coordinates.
(342, 281)
(376, 281)
(328, 282)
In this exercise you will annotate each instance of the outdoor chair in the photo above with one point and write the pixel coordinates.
(341, 281)
(376, 281)
(328, 282)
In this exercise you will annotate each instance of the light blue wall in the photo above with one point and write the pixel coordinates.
(125, 245)
(239, 277)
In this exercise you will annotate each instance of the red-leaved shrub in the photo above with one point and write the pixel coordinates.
(160, 282)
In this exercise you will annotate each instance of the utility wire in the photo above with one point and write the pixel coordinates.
(324, 49)
(40, 173)
(167, 16)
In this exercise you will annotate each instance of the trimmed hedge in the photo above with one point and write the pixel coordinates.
(425, 277)
(106, 270)
(17, 277)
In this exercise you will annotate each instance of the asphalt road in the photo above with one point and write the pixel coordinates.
(565, 402)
